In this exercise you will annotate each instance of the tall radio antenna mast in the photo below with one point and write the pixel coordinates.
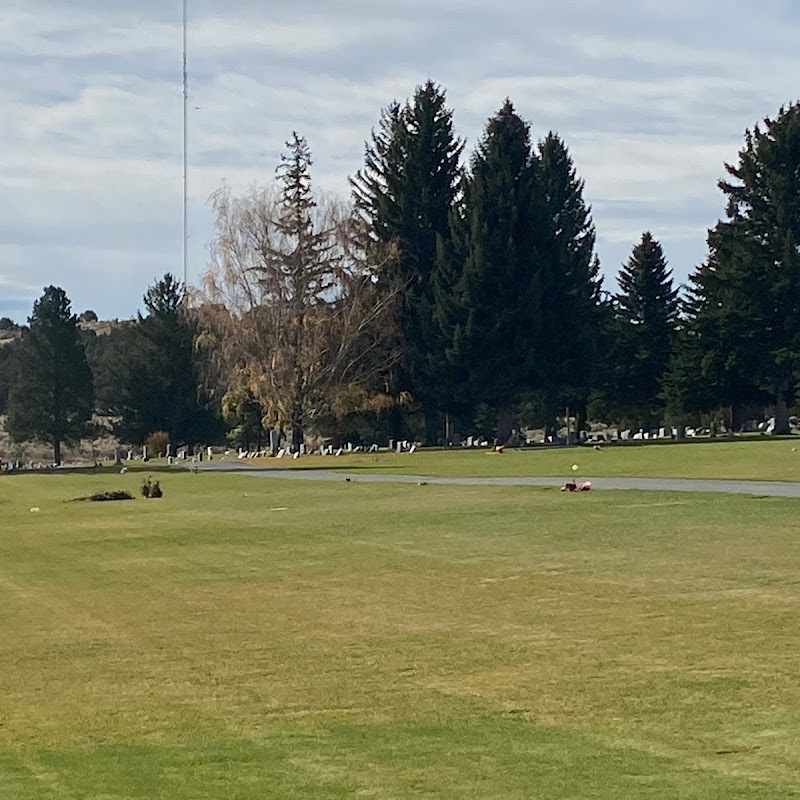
(185, 154)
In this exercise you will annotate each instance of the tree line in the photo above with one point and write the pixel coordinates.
(449, 294)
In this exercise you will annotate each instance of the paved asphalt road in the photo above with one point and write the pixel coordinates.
(760, 488)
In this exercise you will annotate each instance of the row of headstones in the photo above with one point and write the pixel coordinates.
(280, 453)
(402, 446)
(661, 433)
(171, 455)
(330, 450)
(324, 450)
(14, 466)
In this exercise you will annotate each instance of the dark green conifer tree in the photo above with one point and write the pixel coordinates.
(50, 398)
(495, 324)
(646, 323)
(744, 311)
(405, 193)
(571, 284)
(153, 376)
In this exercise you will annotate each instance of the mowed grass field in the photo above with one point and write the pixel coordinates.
(744, 459)
(250, 639)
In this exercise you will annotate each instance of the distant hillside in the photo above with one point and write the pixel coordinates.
(103, 327)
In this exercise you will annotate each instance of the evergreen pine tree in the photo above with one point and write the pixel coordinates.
(50, 398)
(718, 358)
(571, 284)
(6, 371)
(152, 370)
(496, 328)
(745, 312)
(405, 193)
(646, 323)
(303, 262)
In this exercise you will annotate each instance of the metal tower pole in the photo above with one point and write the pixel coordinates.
(185, 153)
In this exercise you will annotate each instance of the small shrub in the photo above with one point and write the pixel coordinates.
(151, 488)
(105, 496)
(102, 496)
(157, 443)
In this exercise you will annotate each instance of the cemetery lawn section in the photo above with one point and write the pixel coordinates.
(744, 459)
(252, 639)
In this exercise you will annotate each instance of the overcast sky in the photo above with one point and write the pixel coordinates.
(652, 98)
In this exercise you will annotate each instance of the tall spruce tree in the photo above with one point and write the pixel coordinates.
(152, 373)
(646, 323)
(50, 397)
(744, 313)
(301, 270)
(405, 193)
(495, 324)
(571, 284)
(718, 356)
(6, 371)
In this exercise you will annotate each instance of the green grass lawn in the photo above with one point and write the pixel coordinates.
(245, 639)
(754, 459)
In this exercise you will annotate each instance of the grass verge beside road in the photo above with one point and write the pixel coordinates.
(746, 459)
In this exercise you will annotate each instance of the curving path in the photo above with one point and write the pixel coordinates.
(760, 488)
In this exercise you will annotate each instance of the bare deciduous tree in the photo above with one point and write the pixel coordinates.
(290, 306)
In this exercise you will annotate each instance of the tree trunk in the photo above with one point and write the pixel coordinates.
(57, 452)
(781, 417)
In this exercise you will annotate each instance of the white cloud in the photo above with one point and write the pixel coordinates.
(650, 97)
